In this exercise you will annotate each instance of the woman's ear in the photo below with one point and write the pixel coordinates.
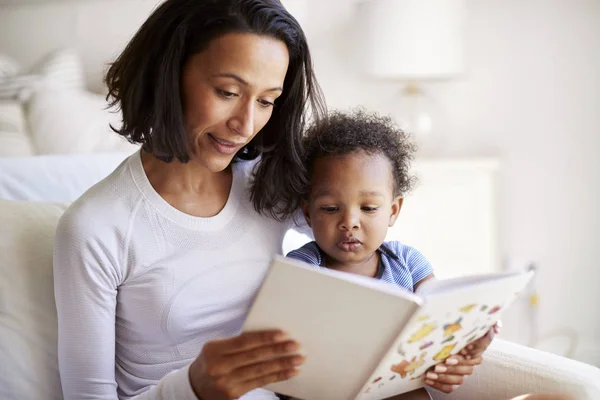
(396, 206)
(306, 212)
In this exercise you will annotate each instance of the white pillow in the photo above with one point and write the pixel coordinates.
(54, 177)
(70, 121)
(62, 69)
(14, 140)
(28, 327)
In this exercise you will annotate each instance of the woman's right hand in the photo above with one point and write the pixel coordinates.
(228, 368)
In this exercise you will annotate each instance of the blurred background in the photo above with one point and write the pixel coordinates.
(502, 97)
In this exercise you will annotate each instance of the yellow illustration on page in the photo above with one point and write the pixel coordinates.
(422, 332)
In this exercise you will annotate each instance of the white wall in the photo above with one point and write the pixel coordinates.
(530, 96)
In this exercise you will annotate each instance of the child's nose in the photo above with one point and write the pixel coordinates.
(350, 221)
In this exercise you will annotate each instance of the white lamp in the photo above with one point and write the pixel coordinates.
(413, 41)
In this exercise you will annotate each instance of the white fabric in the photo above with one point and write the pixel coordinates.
(62, 68)
(28, 367)
(510, 370)
(71, 121)
(167, 280)
(54, 177)
(14, 139)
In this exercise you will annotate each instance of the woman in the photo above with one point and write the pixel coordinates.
(156, 265)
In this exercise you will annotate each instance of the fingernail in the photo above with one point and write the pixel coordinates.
(451, 361)
(463, 352)
(280, 336)
(432, 375)
(298, 360)
(428, 382)
(291, 346)
(470, 347)
(440, 368)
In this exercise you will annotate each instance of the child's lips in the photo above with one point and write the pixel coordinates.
(349, 245)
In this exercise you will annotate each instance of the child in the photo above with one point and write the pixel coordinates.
(358, 169)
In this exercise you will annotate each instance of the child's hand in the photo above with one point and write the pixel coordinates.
(450, 374)
(477, 348)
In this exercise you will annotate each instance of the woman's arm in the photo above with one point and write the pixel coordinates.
(87, 274)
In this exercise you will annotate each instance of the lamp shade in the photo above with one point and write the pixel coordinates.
(413, 39)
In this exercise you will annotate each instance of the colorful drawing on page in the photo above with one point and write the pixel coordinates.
(494, 310)
(468, 308)
(472, 331)
(448, 339)
(445, 352)
(422, 318)
(425, 345)
(380, 385)
(425, 330)
(449, 329)
(405, 368)
(483, 308)
(392, 377)
(469, 340)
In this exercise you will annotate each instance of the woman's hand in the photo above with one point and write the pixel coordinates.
(447, 376)
(228, 368)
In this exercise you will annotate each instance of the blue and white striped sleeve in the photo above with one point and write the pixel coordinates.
(309, 253)
(416, 262)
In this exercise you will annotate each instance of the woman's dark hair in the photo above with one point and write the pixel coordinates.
(344, 133)
(146, 77)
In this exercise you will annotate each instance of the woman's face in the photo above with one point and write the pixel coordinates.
(228, 94)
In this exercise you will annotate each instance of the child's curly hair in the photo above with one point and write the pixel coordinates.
(343, 133)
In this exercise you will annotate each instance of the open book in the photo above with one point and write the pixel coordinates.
(367, 339)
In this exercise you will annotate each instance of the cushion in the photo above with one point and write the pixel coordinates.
(14, 140)
(61, 69)
(28, 327)
(54, 177)
(72, 121)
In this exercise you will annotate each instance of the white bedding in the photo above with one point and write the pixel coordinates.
(58, 178)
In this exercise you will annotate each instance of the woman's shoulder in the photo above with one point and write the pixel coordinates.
(107, 205)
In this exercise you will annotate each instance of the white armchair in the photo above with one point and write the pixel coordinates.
(28, 362)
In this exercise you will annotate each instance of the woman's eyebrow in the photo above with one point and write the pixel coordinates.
(244, 82)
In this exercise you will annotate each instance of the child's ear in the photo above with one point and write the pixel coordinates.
(396, 206)
(305, 211)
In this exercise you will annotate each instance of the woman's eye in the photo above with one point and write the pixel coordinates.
(265, 103)
(369, 209)
(329, 209)
(226, 94)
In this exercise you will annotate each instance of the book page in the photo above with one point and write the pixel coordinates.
(444, 325)
(344, 325)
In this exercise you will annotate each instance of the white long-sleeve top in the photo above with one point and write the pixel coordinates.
(140, 286)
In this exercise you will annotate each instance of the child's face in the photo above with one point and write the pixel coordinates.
(351, 205)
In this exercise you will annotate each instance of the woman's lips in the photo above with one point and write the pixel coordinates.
(224, 146)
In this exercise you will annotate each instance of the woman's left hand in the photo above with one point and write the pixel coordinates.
(447, 376)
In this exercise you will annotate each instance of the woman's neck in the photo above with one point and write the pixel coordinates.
(189, 187)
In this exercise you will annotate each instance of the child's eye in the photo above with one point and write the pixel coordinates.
(329, 209)
(369, 209)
